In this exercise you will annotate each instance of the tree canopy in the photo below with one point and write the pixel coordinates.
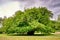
(34, 19)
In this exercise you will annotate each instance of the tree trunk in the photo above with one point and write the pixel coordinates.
(30, 32)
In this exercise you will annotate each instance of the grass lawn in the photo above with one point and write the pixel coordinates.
(50, 37)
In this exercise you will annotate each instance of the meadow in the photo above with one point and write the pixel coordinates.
(48, 37)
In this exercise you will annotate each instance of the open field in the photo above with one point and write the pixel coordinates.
(51, 37)
(29, 38)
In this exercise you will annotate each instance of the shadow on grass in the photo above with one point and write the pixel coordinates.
(30, 35)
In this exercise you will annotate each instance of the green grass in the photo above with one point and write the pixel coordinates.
(50, 37)
(29, 38)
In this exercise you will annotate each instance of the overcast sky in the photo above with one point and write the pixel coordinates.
(8, 7)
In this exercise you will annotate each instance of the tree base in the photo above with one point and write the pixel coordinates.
(30, 33)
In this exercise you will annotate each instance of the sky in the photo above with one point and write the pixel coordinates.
(9, 7)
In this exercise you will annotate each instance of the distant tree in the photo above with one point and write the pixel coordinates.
(58, 17)
(1, 19)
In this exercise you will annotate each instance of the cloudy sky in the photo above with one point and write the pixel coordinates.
(8, 7)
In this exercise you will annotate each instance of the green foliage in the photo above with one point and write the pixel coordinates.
(56, 25)
(37, 19)
(39, 27)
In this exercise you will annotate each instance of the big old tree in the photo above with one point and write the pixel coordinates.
(29, 21)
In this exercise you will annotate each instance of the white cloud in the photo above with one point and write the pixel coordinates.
(9, 8)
